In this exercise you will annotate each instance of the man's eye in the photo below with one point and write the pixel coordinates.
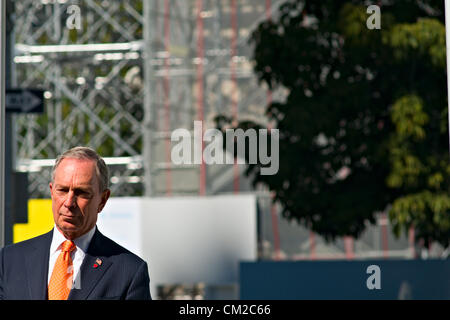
(83, 194)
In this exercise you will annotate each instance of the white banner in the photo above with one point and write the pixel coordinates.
(185, 240)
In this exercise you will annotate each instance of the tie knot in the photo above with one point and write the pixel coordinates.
(68, 246)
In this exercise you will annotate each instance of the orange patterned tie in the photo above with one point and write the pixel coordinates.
(61, 279)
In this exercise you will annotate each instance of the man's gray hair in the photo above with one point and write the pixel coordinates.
(85, 153)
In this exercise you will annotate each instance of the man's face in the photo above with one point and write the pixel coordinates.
(76, 197)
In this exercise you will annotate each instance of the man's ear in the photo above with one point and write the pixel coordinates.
(51, 187)
(105, 197)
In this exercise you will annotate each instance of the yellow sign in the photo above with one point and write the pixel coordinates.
(40, 220)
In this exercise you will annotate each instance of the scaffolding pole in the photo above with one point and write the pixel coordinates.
(200, 90)
(2, 120)
(149, 126)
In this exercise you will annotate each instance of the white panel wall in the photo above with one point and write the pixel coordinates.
(185, 239)
(120, 220)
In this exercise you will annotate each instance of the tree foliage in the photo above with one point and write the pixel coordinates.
(364, 126)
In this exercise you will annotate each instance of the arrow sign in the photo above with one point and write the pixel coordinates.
(24, 100)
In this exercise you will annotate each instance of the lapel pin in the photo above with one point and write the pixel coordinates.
(97, 263)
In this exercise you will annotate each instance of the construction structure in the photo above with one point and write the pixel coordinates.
(121, 76)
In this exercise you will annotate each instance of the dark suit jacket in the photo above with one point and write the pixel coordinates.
(121, 274)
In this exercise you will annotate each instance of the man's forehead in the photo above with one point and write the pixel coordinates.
(79, 167)
(78, 163)
(65, 182)
(77, 160)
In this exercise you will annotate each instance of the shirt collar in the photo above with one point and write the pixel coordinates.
(81, 242)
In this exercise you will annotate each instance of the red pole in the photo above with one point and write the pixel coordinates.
(234, 102)
(276, 234)
(167, 92)
(384, 235)
(269, 17)
(268, 9)
(312, 245)
(348, 243)
(200, 111)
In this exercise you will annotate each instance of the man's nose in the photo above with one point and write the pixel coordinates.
(70, 199)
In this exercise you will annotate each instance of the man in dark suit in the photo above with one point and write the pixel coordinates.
(74, 260)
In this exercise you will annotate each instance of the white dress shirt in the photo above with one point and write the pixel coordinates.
(77, 255)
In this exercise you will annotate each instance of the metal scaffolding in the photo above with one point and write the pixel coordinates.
(90, 76)
(132, 73)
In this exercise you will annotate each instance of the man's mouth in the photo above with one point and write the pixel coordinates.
(69, 216)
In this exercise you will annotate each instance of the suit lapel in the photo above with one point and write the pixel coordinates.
(37, 267)
(90, 274)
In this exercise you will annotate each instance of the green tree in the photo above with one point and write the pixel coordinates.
(364, 126)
